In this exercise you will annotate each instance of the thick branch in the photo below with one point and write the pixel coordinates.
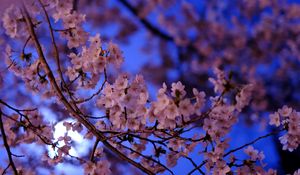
(145, 22)
(154, 30)
(9, 154)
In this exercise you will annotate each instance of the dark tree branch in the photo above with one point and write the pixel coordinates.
(4, 171)
(96, 93)
(154, 30)
(9, 153)
(56, 53)
(252, 142)
(75, 5)
(194, 164)
(146, 23)
(147, 157)
(198, 167)
(15, 109)
(94, 150)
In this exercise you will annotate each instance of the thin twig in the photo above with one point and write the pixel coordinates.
(194, 164)
(56, 53)
(96, 93)
(148, 157)
(94, 150)
(198, 167)
(15, 109)
(28, 39)
(44, 139)
(4, 171)
(252, 142)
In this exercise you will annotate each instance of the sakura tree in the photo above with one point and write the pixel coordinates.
(53, 62)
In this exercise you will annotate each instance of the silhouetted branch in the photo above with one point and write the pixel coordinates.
(9, 154)
(146, 23)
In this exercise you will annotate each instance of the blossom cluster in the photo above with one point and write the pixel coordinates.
(125, 102)
(176, 110)
(12, 22)
(289, 119)
(132, 121)
(93, 60)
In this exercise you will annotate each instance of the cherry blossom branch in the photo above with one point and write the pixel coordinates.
(162, 139)
(198, 167)
(94, 117)
(239, 148)
(94, 150)
(15, 109)
(37, 132)
(67, 105)
(9, 153)
(194, 164)
(147, 157)
(152, 28)
(26, 42)
(57, 58)
(153, 142)
(4, 171)
(132, 117)
(63, 30)
(145, 22)
(96, 93)
(202, 116)
(56, 54)
(17, 155)
(9, 66)
(75, 5)
(252, 142)
(71, 82)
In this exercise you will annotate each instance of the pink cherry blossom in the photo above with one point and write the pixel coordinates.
(274, 119)
(56, 67)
